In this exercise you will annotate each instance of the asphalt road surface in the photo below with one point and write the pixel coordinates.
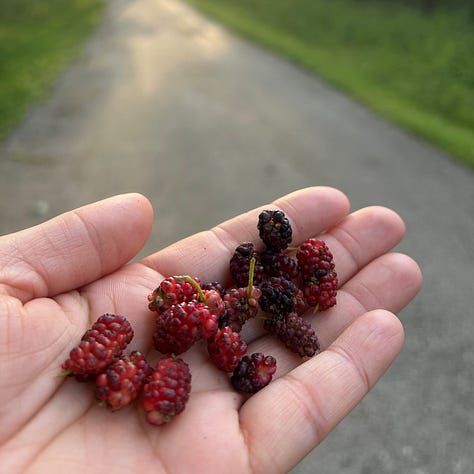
(167, 103)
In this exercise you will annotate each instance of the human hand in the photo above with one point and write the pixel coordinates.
(58, 277)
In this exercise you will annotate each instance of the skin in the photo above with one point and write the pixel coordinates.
(58, 277)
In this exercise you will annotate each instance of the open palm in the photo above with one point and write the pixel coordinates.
(58, 277)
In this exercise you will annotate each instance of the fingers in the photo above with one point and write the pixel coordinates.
(354, 239)
(314, 397)
(390, 282)
(207, 254)
(74, 248)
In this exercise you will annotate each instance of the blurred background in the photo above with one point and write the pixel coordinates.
(213, 107)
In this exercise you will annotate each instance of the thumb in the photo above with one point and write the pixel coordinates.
(74, 248)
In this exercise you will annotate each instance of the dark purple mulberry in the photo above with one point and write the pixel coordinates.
(296, 333)
(278, 296)
(274, 229)
(253, 372)
(279, 264)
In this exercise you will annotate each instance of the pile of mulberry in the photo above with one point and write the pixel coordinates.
(272, 283)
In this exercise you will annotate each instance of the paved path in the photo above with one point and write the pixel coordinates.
(166, 103)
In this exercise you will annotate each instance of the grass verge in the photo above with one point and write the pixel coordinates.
(38, 38)
(414, 68)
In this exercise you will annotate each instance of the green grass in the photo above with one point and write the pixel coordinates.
(415, 69)
(38, 38)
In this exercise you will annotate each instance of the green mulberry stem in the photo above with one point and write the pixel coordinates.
(251, 274)
(196, 285)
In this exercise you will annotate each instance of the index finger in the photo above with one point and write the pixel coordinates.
(206, 254)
